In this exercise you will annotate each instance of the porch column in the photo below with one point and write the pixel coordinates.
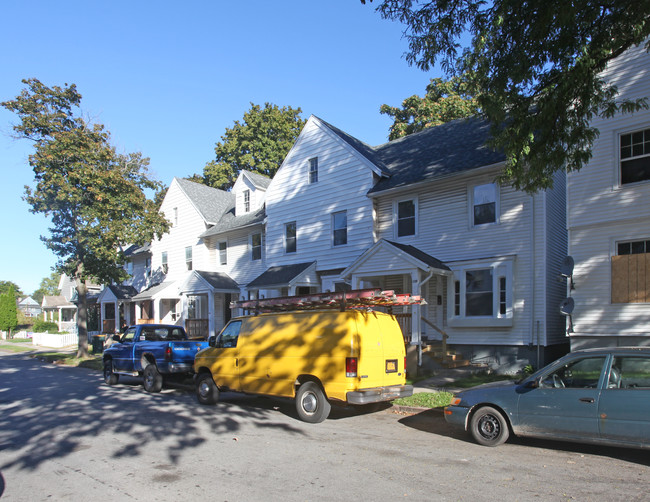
(415, 310)
(138, 312)
(60, 317)
(211, 316)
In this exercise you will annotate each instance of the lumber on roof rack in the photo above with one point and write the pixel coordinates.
(356, 299)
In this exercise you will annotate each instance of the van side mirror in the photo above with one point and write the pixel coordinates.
(212, 341)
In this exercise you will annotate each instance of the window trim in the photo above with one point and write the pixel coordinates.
(334, 229)
(457, 296)
(295, 239)
(164, 260)
(619, 137)
(497, 204)
(247, 200)
(188, 257)
(312, 170)
(396, 218)
(222, 254)
(253, 247)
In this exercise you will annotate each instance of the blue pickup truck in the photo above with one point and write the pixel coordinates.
(155, 351)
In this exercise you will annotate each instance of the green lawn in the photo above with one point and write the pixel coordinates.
(426, 400)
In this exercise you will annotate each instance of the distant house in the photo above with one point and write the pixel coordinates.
(29, 307)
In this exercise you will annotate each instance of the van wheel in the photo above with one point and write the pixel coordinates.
(206, 391)
(109, 377)
(152, 380)
(488, 427)
(311, 403)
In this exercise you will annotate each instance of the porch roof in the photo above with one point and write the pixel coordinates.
(219, 281)
(280, 276)
(153, 291)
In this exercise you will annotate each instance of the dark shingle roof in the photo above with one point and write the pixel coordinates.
(219, 280)
(230, 221)
(123, 292)
(436, 152)
(420, 255)
(151, 291)
(280, 275)
(210, 202)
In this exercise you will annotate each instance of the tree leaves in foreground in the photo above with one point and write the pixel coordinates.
(94, 196)
(445, 100)
(259, 144)
(536, 70)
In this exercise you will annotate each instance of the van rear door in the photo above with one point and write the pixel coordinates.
(381, 360)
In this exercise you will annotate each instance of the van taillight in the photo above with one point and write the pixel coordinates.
(350, 366)
(168, 353)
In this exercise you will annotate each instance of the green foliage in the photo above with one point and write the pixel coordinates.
(94, 196)
(535, 68)
(445, 100)
(259, 144)
(45, 326)
(6, 286)
(8, 310)
(49, 286)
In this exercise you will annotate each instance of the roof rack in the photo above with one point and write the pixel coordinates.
(356, 299)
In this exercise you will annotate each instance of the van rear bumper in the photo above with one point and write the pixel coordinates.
(379, 394)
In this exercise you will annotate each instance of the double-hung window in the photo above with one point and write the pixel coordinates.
(635, 156)
(247, 201)
(188, 257)
(256, 247)
(290, 237)
(484, 204)
(313, 170)
(406, 216)
(223, 253)
(481, 294)
(165, 265)
(340, 228)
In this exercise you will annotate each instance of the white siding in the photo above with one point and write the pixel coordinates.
(343, 181)
(445, 232)
(602, 212)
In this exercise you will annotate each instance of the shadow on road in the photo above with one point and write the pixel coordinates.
(433, 421)
(49, 411)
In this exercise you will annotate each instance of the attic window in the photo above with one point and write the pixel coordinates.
(247, 201)
(313, 170)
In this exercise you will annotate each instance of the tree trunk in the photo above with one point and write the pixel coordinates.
(82, 317)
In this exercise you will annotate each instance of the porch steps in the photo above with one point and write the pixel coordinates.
(452, 359)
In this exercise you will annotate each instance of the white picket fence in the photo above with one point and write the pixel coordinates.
(54, 340)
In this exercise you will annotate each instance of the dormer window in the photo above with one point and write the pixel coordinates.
(313, 170)
(247, 201)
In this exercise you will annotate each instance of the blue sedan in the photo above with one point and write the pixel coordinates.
(592, 396)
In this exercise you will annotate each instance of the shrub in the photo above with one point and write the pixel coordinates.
(43, 326)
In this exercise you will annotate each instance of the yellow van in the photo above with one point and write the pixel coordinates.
(354, 357)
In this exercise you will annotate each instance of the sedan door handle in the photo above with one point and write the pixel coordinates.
(587, 399)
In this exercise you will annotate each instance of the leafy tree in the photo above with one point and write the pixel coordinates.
(536, 69)
(49, 286)
(259, 143)
(8, 311)
(445, 100)
(94, 195)
(7, 286)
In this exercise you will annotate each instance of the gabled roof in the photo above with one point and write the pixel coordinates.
(56, 302)
(258, 180)
(119, 291)
(133, 249)
(152, 291)
(218, 280)
(280, 276)
(230, 221)
(210, 202)
(436, 152)
(420, 255)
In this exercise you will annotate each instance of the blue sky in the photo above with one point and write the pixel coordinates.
(167, 78)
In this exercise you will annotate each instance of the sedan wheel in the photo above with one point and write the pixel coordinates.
(488, 427)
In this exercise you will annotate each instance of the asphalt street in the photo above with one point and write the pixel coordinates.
(65, 435)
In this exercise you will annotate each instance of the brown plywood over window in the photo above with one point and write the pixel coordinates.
(631, 278)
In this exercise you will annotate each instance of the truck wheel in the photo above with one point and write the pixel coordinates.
(311, 403)
(206, 391)
(488, 427)
(152, 380)
(109, 377)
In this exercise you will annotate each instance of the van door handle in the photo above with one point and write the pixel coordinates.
(236, 363)
(587, 399)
